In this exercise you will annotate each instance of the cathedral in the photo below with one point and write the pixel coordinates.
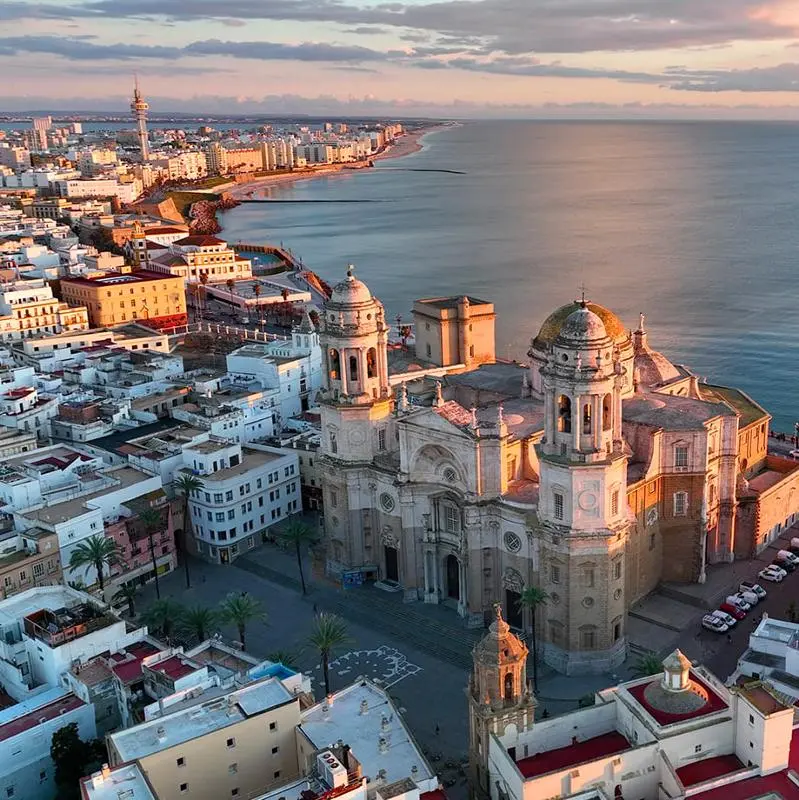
(594, 472)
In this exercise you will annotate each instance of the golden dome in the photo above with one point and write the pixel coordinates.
(554, 323)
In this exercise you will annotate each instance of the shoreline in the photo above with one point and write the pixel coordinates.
(407, 145)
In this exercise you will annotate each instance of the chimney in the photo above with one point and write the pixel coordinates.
(382, 744)
(106, 772)
(384, 723)
(160, 734)
(364, 707)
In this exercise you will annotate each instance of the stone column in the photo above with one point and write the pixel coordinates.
(343, 359)
(462, 594)
(362, 367)
(577, 418)
(596, 421)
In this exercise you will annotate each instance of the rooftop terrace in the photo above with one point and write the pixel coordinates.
(39, 716)
(125, 782)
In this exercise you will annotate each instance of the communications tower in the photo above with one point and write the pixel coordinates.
(139, 107)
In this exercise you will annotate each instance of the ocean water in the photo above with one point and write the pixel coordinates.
(694, 224)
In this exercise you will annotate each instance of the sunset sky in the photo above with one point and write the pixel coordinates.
(450, 57)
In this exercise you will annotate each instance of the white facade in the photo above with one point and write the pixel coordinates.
(773, 655)
(245, 491)
(28, 308)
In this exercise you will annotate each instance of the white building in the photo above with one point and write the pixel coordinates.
(127, 191)
(188, 165)
(773, 656)
(195, 256)
(28, 309)
(245, 491)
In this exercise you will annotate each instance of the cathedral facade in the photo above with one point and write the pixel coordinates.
(593, 473)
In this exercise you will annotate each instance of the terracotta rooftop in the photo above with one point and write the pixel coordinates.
(607, 744)
(762, 699)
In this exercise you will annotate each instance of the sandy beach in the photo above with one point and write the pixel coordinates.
(406, 145)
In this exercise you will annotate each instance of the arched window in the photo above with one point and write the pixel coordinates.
(564, 414)
(607, 415)
(586, 418)
(335, 364)
(371, 362)
(509, 686)
(353, 368)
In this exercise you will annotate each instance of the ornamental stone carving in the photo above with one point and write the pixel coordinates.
(512, 580)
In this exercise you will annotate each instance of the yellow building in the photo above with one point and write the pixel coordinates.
(153, 299)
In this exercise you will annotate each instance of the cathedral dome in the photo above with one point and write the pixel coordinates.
(553, 324)
(350, 291)
(582, 326)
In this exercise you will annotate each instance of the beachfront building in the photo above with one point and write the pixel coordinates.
(678, 734)
(28, 309)
(595, 473)
(245, 491)
(150, 298)
(197, 257)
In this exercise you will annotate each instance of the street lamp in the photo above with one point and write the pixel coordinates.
(796, 436)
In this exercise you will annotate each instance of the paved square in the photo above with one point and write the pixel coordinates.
(385, 664)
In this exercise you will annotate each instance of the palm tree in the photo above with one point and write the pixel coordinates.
(127, 593)
(298, 534)
(152, 521)
(164, 615)
(200, 621)
(328, 634)
(186, 483)
(256, 290)
(284, 657)
(230, 283)
(648, 664)
(203, 292)
(95, 552)
(533, 597)
(239, 609)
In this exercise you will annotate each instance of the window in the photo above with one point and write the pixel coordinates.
(587, 418)
(614, 502)
(228, 496)
(231, 514)
(680, 456)
(554, 573)
(698, 748)
(333, 443)
(273, 726)
(10, 791)
(616, 631)
(558, 503)
(275, 750)
(233, 769)
(680, 504)
(588, 638)
(564, 414)
(181, 762)
(218, 497)
(231, 742)
(589, 577)
(220, 516)
(207, 497)
(451, 521)
(617, 569)
(234, 792)
(277, 774)
(184, 787)
(651, 541)
(259, 483)
(381, 439)
(751, 719)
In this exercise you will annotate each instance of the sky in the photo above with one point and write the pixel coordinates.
(449, 58)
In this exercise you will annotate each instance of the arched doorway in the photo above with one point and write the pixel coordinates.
(453, 568)
(392, 563)
(513, 609)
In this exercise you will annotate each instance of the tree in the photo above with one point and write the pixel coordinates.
(648, 664)
(185, 484)
(239, 609)
(152, 521)
(231, 284)
(203, 292)
(73, 758)
(127, 594)
(532, 597)
(297, 534)
(164, 615)
(329, 633)
(96, 553)
(199, 621)
(256, 290)
(284, 657)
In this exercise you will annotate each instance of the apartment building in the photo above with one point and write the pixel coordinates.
(245, 491)
(238, 745)
(126, 190)
(28, 559)
(195, 256)
(189, 165)
(306, 443)
(153, 299)
(29, 309)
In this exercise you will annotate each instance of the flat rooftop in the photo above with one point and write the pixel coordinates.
(709, 769)
(672, 412)
(762, 699)
(251, 459)
(363, 732)
(174, 667)
(765, 480)
(200, 720)
(40, 715)
(127, 666)
(451, 302)
(14, 608)
(119, 279)
(125, 782)
(607, 744)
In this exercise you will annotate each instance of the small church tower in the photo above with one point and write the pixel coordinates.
(500, 700)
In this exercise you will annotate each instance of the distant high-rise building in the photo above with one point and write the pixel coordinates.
(40, 126)
(139, 108)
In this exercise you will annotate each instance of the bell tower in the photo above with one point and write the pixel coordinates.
(500, 699)
(583, 503)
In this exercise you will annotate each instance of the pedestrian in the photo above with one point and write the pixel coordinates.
(438, 730)
(729, 639)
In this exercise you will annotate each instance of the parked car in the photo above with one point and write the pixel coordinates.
(788, 557)
(756, 588)
(771, 574)
(714, 624)
(794, 548)
(738, 602)
(785, 566)
(730, 609)
(748, 597)
(728, 619)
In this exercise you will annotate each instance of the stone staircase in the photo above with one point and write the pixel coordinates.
(429, 629)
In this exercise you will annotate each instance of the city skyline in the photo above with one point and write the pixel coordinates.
(450, 58)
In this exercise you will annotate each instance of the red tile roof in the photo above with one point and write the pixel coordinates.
(128, 668)
(39, 715)
(778, 783)
(714, 702)
(708, 769)
(200, 240)
(173, 667)
(607, 744)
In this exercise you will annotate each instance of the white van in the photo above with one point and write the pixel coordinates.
(787, 555)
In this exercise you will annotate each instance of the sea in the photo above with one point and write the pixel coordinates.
(694, 224)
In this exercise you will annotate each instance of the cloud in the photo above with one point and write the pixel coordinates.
(274, 51)
(80, 49)
(512, 26)
(780, 78)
